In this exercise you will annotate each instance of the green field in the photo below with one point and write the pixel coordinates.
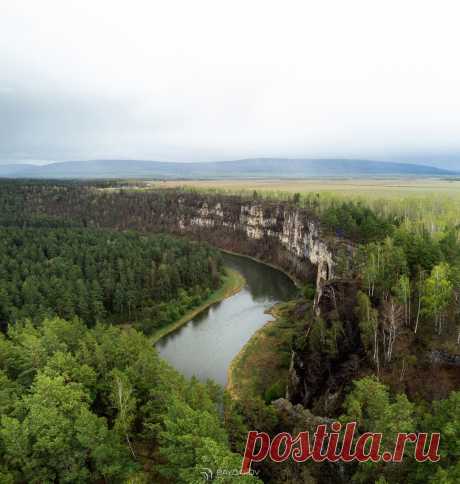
(433, 203)
(372, 188)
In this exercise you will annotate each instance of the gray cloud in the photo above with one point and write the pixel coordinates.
(208, 80)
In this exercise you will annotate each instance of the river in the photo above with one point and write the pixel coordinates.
(207, 344)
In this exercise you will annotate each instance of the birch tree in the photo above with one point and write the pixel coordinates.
(125, 403)
(392, 316)
(438, 294)
(402, 291)
(368, 325)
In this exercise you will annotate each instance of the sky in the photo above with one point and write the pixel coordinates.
(215, 79)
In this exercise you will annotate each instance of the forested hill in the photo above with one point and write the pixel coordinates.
(249, 168)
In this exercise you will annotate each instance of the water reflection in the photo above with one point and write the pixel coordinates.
(207, 344)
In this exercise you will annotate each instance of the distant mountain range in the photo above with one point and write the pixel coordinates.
(249, 168)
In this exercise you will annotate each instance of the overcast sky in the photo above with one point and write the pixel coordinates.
(213, 80)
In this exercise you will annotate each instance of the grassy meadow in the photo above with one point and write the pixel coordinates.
(353, 187)
(433, 203)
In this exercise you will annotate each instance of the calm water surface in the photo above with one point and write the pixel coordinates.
(206, 345)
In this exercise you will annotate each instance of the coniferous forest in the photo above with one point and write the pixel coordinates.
(102, 276)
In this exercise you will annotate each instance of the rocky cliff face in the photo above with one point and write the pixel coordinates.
(293, 231)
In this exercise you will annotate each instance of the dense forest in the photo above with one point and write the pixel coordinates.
(82, 399)
(102, 276)
(98, 405)
(383, 350)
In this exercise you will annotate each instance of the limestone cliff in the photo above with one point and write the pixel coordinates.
(294, 231)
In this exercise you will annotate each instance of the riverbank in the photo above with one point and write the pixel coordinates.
(233, 282)
(262, 365)
(296, 281)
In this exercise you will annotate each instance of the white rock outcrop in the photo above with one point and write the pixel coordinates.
(298, 233)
